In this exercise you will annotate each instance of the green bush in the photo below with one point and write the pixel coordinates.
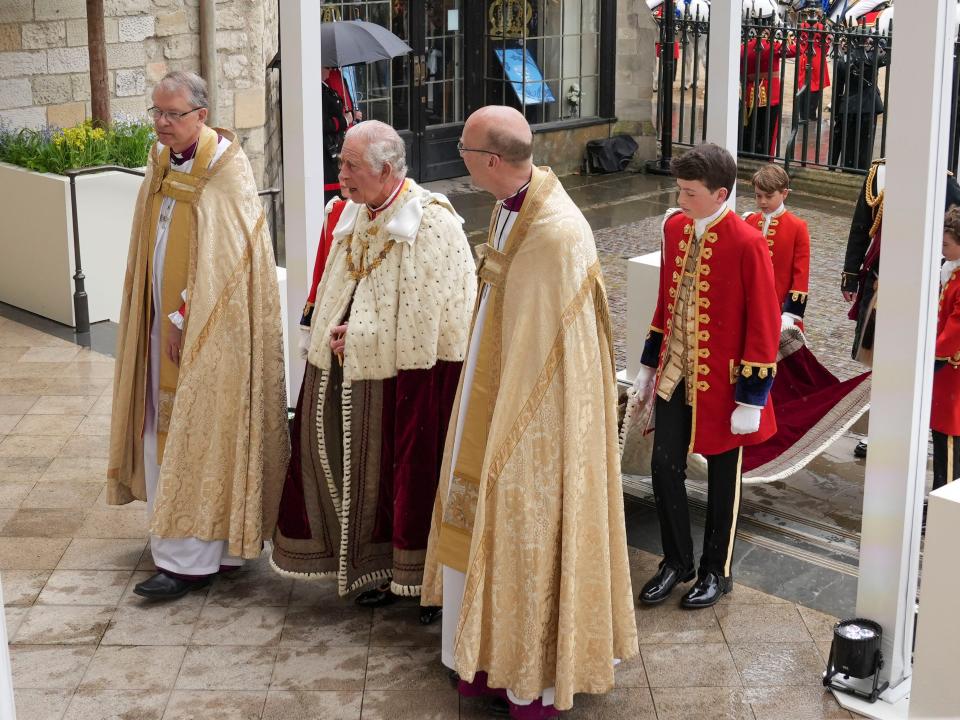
(125, 143)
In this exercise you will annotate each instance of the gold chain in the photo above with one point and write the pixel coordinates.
(359, 273)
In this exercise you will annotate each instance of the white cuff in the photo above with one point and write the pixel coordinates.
(303, 341)
(177, 319)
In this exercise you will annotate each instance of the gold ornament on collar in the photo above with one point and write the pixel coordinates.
(359, 273)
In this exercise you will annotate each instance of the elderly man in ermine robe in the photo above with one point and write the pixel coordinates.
(528, 549)
(199, 407)
(388, 333)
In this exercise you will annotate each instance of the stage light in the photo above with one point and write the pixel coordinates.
(855, 653)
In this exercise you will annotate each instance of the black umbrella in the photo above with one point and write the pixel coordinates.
(352, 42)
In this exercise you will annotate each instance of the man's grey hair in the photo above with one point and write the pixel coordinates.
(382, 145)
(191, 83)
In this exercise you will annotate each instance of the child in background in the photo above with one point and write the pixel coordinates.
(788, 240)
(945, 407)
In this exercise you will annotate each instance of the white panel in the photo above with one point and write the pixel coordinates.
(302, 162)
(643, 283)
(936, 692)
(724, 77)
(7, 711)
(905, 333)
(106, 203)
(36, 243)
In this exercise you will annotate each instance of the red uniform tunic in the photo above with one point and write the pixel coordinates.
(761, 61)
(737, 330)
(789, 242)
(813, 48)
(658, 16)
(945, 410)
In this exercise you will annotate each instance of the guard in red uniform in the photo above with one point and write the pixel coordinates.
(788, 239)
(708, 364)
(656, 8)
(761, 59)
(813, 63)
(945, 408)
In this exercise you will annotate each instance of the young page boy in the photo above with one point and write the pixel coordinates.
(945, 406)
(788, 240)
(708, 364)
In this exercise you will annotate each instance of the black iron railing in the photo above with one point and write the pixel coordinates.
(81, 303)
(810, 94)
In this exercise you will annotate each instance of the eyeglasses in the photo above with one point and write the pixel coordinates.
(461, 149)
(170, 115)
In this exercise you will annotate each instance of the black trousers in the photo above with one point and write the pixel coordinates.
(761, 131)
(671, 440)
(852, 137)
(946, 459)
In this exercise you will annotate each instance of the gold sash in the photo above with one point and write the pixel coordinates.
(182, 187)
(459, 512)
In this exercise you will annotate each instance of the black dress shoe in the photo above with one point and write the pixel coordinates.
(661, 585)
(166, 587)
(429, 613)
(860, 451)
(377, 597)
(707, 591)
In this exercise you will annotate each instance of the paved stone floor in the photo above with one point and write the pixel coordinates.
(258, 646)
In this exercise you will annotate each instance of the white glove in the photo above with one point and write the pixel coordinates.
(745, 419)
(303, 341)
(787, 321)
(642, 389)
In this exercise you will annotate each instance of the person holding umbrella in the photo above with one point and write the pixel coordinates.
(339, 83)
(335, 124)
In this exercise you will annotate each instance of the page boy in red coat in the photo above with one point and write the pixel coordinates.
(945, 407)
(788, 240)
(708, 364)
(331, 215)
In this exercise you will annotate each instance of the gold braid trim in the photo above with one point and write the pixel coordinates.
(875, 201)
(763, 369)
(798, 296)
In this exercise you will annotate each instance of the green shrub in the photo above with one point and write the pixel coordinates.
(125, 143)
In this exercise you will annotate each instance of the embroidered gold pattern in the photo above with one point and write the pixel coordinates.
(360, 273)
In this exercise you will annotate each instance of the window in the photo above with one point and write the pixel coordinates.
(543, 57)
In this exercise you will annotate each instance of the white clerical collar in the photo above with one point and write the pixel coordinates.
(390, 199)
(776, 213)
(699, 226)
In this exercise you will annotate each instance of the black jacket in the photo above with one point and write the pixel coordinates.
(855, 80)
(863, 215)
(334, 127)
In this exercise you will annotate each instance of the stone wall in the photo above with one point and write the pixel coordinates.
(44, 60)
(636, 65)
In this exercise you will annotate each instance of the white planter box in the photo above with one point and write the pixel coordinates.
(36, 241)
